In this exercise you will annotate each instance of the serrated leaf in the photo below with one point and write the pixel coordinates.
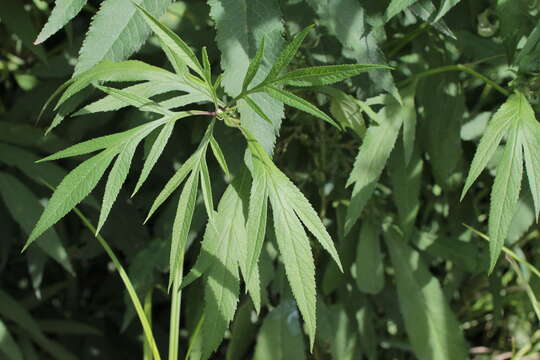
(369, 259)
(287, 54)
(173, 183)
(220, 157)
(426, 11)
(92, 145)
(63, 12)
(182, 223)
(507, 114)
(74, 188)
(531, 151)
(140, 102)
(113, 37)
(505, 194)
(371, 159)
(325, 75)
(173, 41)
(25, 208)
(253, 66)
(155, 152)
(306, 214)
(110, 103)
(395, 7)
(298, 103)
(241, 26)
(8, 346)
(432, 328)
(256, 222)
(119, 173)
(253, 105)
(295, 250)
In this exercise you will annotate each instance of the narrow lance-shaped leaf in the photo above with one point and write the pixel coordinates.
(296, 253)
(182, 223)
(369, 259)
(431, 326)
(531, 151)
(287, 54)
(8, 346)
(298, 103)
(218, 154)
(508, 113)
(325, 75)
(173, 41)
(74, 188)
(253, 105)
(63, 12)
(140, 102)
(395, 7)
(206, 186)
(505, 194)
(253, 66)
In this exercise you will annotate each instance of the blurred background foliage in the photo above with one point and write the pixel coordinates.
(62, 298)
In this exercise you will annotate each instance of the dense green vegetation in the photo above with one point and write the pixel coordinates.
(269, 179)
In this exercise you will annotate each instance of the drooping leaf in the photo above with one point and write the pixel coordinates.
(113, 37)
(63, 12)
(508, 113)
(25, 208)
(530, 133)
(505, 194)
(432, 328)
(395, 7)
(369, 259)
(206, 187)
(280, 336)
(220, 157)
(296, 253)
(371, 159)
(75, 187)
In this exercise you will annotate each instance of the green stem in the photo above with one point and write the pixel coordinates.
(176, 302)
(147, 350)
(147, 328)
(458, 67)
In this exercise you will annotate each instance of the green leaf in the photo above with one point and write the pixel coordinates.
(74, 188)
(116, 37)
(325, 75)
(409, 121)
(243, 333)
(395, 7)
(218, 154)
(253, 105)
(25, 208)
(432, 328)
(119, 172)
(206, 186)
(155, 152)
(173, 183)
(295, 250)
(306, 214)
(512, 15)
(170, 39)
(280, 336)
(254, 66)
(505, 194)
(8, 346)
(14, 311)
(182, 223)
(256, 222)
(298, 103)
(369, 259)
(140, 102)
(241, 26)
(498, 127)
(19, 22)
(222, 279)
(287, 55)
(63, 12)
(531, 151)
(446, 6)
(371, 159)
